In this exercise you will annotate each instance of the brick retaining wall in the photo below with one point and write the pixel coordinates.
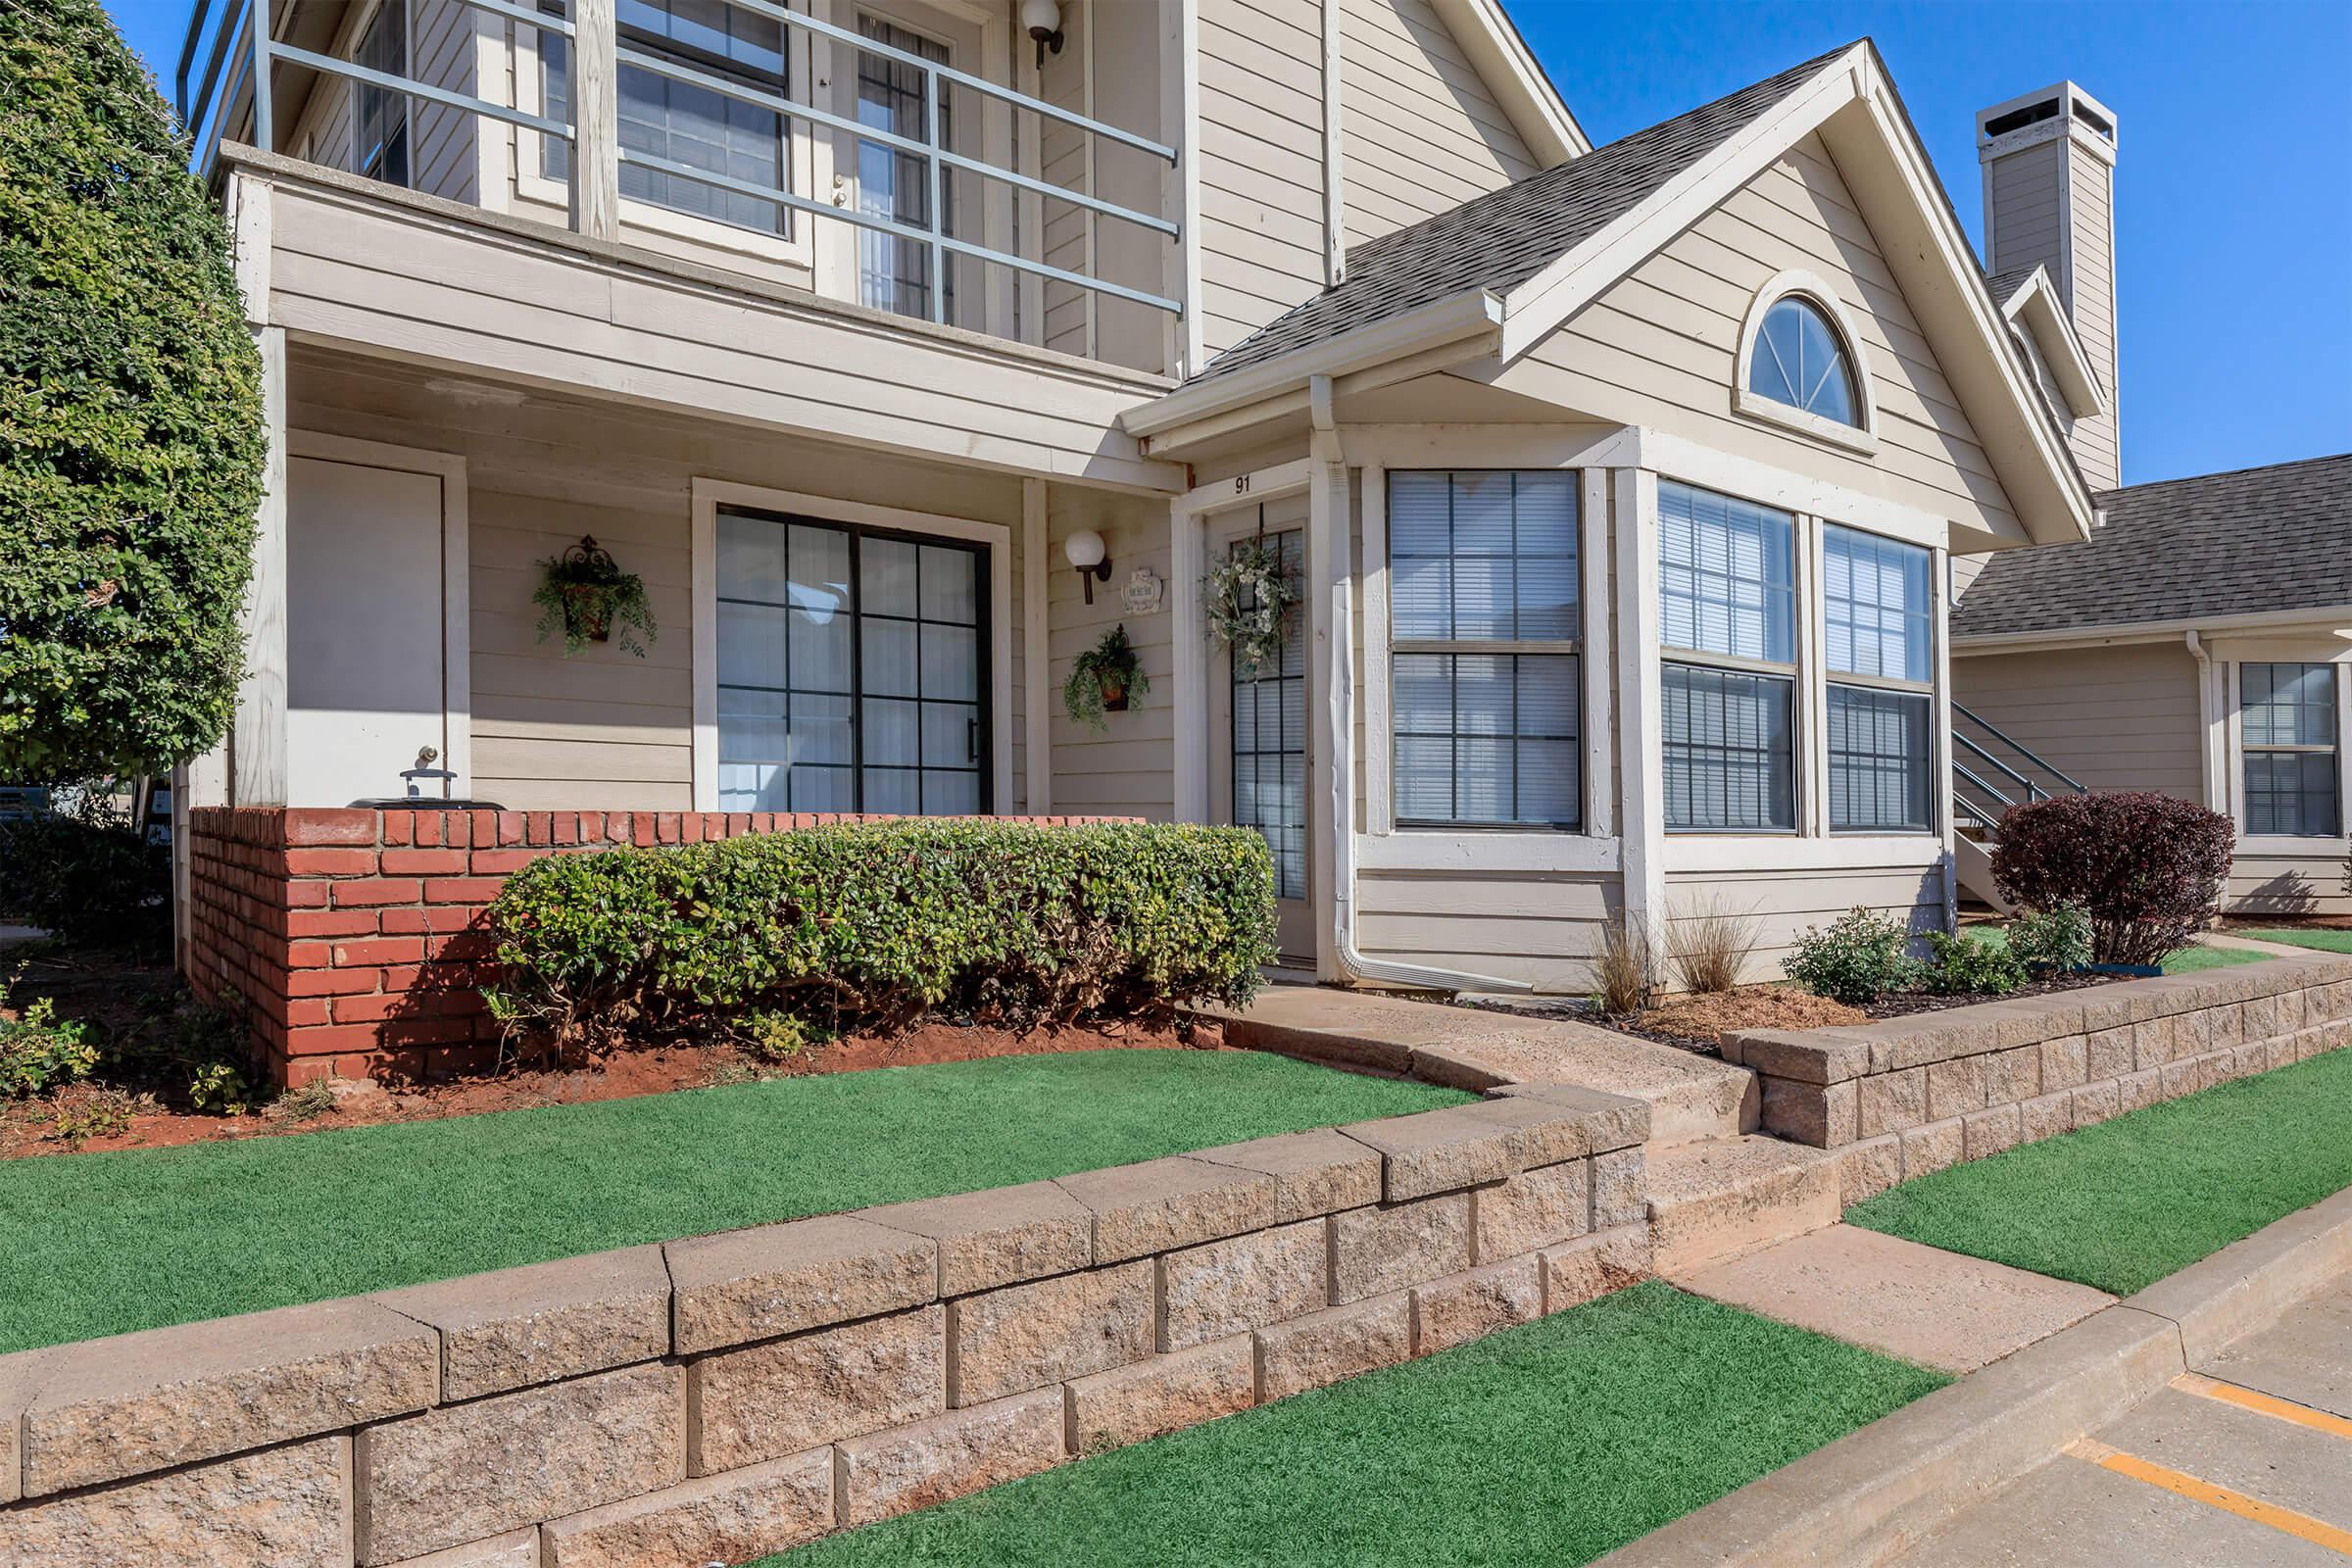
(730, 1396)
(1904, 1097)
(351, 942)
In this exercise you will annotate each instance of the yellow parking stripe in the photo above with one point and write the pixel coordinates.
(2302, 1415)
(2303, 1527)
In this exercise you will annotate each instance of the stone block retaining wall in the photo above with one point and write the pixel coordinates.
(722, 1398)
(1904, 1097)
(352, 942)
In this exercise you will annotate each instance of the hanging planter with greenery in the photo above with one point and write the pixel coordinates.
(1104, 678)
(584, 594)
(1245, 596)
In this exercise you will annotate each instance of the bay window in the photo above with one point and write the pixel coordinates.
(1879, 632)
(2287, 731)
(1726, 617)
(1487, 634)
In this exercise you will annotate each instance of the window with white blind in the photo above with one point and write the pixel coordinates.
(2287, 729)
(1727, 615)
(1486, 636)
(1879, 618)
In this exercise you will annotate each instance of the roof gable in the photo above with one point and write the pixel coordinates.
(2028, 297)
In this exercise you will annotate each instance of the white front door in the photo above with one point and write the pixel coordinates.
(366, 638)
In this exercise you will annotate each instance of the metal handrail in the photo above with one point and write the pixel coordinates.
(252, 21)
(2033, 790)
(2010, 741)
(1962, 772)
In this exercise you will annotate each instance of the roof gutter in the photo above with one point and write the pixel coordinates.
(1463, 321)
(2333, 618)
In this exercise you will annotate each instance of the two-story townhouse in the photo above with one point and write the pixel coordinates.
(1620, 484)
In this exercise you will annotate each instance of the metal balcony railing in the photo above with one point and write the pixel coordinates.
(1992, 772)
(243, 58)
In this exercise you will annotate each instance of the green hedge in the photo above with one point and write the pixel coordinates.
(872, 926)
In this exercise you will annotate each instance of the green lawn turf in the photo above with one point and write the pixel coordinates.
(2296, 936)
(106, 1243)
(1550, 1444)
(2197, 955)
(2124, 1203)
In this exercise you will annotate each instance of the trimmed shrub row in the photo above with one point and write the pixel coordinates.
(873, 926)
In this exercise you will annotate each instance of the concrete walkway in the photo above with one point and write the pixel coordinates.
(2245, 1460)
(1690, 1096)
(1937, 1308)
(2277, 950)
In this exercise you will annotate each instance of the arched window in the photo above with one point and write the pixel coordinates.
(1799, 359)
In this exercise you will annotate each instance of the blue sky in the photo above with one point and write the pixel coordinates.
(2234, 188)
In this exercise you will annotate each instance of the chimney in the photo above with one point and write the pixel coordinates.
(2048, 162)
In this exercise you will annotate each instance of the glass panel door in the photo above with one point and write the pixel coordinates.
(1260, 781)
(851, 666)
(894, 273)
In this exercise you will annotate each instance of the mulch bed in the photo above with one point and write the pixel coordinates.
(115, 997)
(1697, 1023)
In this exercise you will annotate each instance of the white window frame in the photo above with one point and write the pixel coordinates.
(2285, 845)
(800, 158)
(1886, 683)
(709, 495)
(1574, 647)
(1748, 405)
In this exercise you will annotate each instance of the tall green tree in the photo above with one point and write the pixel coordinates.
(131, 443)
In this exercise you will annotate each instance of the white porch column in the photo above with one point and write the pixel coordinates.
(257, 745)
(1037, 712)
(1641, 748)
(1331, 682)
(1939, 800)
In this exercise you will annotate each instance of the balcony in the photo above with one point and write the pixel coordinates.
(891, 164)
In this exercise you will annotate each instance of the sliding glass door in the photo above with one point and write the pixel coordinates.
(852, 668)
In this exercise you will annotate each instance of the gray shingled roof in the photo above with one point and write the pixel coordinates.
(2004, 285)
(1500, 240)
(2220, 544)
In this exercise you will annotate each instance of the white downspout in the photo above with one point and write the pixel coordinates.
(1328, 497)
(2212, 765)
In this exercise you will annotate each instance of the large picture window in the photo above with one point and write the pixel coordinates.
(1486, 633)
(1727, 585)
(686, 124)
(852, 668)
(1879, 619)
(2287, 729)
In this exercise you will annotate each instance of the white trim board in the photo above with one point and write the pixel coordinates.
(709, 495)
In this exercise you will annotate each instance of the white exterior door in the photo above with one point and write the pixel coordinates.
(1259, 759)
(366, 639)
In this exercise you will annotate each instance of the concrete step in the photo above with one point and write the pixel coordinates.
(1690, 1096)
(1724, 1196)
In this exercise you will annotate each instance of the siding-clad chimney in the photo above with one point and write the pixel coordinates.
(2048, 162)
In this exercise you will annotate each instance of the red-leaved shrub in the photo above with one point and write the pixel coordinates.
(2145, 868)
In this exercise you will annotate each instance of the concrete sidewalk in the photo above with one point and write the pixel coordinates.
(2243, 1461)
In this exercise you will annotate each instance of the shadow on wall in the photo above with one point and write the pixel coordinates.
(2290, 893)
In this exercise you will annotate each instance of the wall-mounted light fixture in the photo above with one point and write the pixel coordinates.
(1087, 551)
(1042, 19)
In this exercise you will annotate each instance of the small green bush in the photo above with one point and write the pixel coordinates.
(2054, 940)
(1857, 961)
(1960, 964)
(871, 926)
(39, 1053)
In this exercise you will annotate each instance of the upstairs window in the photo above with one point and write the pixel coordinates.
(1800, 361)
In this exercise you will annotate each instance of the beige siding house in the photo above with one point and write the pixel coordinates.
(1621, 486)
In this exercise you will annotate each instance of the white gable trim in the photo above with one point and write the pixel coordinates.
(1853, 107)
(2035, 306)
(1522, 89)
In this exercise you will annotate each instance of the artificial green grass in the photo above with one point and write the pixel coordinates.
(107, 1243)
(2299, 937)
(2197, 955)
(2122, 1205)
(1550, 1444)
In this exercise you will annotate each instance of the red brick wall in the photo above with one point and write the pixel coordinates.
(352, 942)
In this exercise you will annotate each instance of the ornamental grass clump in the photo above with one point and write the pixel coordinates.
(2146, 868)
(871, 927)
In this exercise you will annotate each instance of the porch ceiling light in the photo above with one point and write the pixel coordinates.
(1042, 19)
(1087, 551)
